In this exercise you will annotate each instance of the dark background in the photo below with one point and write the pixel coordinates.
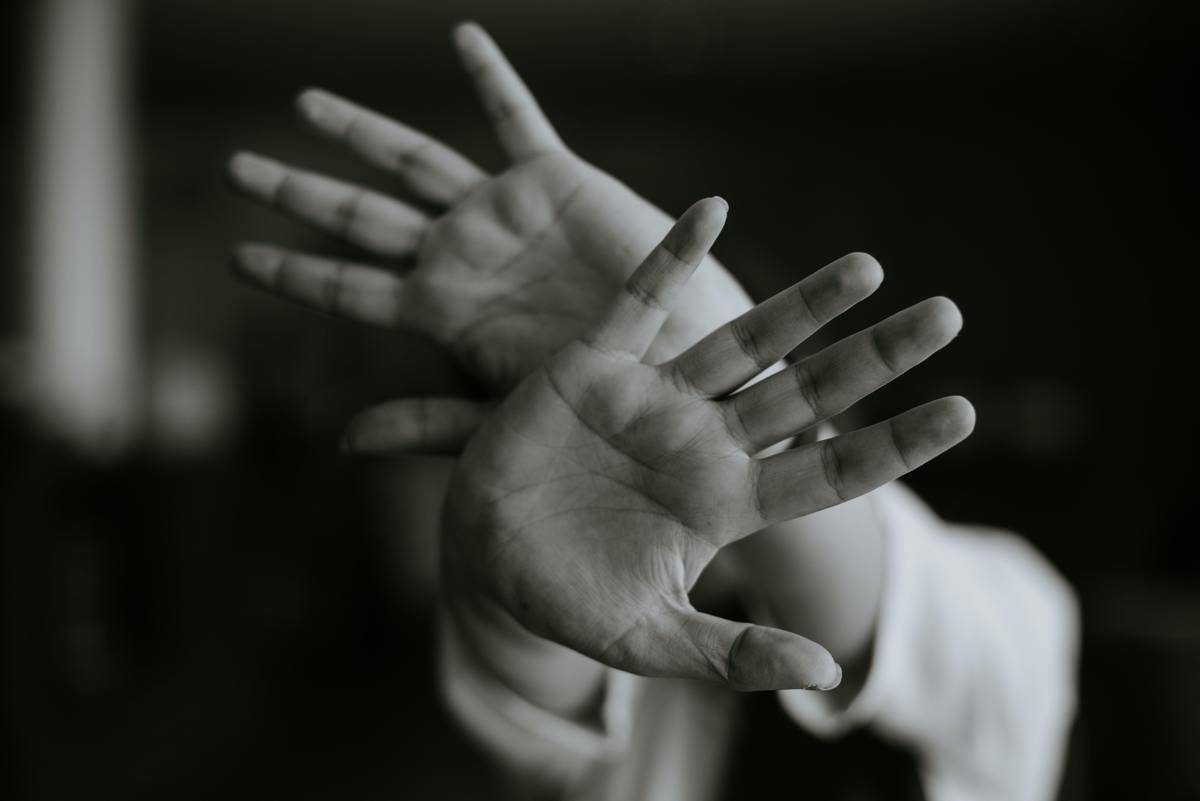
(245, 617)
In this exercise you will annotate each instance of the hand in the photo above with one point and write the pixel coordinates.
(509, 269)
(588, 505)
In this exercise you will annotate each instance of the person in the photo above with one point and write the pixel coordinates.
(624, 448)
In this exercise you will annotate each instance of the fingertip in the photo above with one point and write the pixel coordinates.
(474, 47)
(238, 165)
(837, 679)
(950, 420)
(859, 274)
(355, 434)
(944, 315)
(312, 103)
(360, 440)
(349, 443)
(774, 659)
(250, 171)
(715, 211)
(824, 674)
(961, 414)
(932, 323)
(254, 261)
(829, 672)
(708, 218)
(467, 34)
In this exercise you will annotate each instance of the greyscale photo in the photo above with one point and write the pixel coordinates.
(680, 400)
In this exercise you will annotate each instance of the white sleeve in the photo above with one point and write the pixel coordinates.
(974, 659)
(534, 747)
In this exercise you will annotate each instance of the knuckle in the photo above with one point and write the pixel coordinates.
(882, 350)
(831, 465)
(348, 210)
(645, 294)
(809, 387)
(747, 342)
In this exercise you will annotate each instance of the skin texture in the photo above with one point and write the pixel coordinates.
(502, 270)
(511, 267)
(590, 502)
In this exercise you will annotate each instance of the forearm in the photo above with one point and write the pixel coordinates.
(970, 650)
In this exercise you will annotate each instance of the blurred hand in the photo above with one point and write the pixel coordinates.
(588, 504)
(511, 267)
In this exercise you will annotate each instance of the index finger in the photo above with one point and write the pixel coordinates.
(643, 304)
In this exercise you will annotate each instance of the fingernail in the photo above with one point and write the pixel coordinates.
(722, 201)
(836, 681)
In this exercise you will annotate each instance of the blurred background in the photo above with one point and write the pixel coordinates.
(202, 598)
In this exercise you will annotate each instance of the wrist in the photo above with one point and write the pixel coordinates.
(544, 673)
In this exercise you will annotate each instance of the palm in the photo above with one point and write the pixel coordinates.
(588, 504)
(522, 265)
(509, 269)
(629, 483)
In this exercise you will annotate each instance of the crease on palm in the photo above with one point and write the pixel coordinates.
(685, 485)
(600, 400)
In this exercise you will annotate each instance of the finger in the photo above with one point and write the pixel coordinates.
(362, 217)
(740, 350)
(365, 294)
(415, 425)
(693, 645)
(645, 301)
(828, 382)
(810, 478)
(429, 169)
(522, 128)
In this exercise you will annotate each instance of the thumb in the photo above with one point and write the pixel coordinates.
(415, 425)
(750, 657)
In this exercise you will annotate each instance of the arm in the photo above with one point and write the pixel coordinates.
(967, 655)
(962, 646)
(972, 660)
(588, 505)
(585, 509)
(481, 223)
(477, 217)
(500, 270)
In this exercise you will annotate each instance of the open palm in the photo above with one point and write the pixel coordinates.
(588, 505)
(510, 268)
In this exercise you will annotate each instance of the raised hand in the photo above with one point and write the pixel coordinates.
(588, 505)
(508, 269)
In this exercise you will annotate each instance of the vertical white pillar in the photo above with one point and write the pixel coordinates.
(84, 292)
